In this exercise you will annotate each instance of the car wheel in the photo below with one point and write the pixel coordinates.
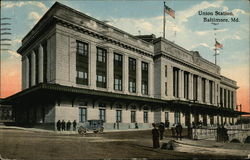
(82, 131)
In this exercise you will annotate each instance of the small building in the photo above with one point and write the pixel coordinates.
(75, 67)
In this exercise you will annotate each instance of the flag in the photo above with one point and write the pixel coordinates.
(218, 45)
(169, 11)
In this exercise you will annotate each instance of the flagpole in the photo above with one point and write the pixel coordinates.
(215, 53)
(164, 20)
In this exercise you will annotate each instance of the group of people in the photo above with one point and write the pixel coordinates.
(158, 132)
(62, 125)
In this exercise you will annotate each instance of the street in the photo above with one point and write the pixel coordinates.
(23, 144)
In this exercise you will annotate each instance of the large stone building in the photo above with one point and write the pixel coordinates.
(75, 67)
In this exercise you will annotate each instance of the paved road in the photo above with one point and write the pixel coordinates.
(27, 144)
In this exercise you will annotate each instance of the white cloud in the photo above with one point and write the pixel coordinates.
(16, 41)
(210, 32)
(239, 11)
(201, 44)
(20, 4)
(34, 16)
(184, 15)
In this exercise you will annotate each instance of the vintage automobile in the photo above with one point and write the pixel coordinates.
(91, 125)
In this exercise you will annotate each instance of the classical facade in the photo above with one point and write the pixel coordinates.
(75, 67)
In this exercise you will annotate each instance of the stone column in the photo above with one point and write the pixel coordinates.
(40, 64)
(214, 91)
(23, 72)
(182, 84)
(49, 60)
(33, 68)
(92, 66)
(207, 91)
(217, 94)
(138, 76)
(27, 69)
(170, 81)
(234, 98)
(125, 74)
(223, 104)
(229, 99)
(190, 89)
(199, 89)
(226, 105)
(179, 84)
(110, 70)
(150, 79)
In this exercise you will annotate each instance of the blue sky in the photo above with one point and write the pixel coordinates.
(146, 16)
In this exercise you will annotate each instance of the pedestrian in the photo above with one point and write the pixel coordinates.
(136, 125)
(167, 124)
(161, 130)
(74, 125)
(63, 125)
(58, 125)
(173, 130)
(68, 125)
(155, 137)
(178, 130)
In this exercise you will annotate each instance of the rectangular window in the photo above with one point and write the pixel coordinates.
(132, 85)
(37, 65)
(145, 117)
(211, 92)
(118, 116)
(133, 116)
(29, 58)
(166, 71)
(232, 99)
(102, 114)
(118, 83)
(82, 48)
(225, 98)
(132, 64)
(221, 95)
(166, 116)
(144, 78)
(117, 71)
(82, 114)
(101, 55)
(186, 84)
(177, 117)
(144, 88)
(45, 57)
(132, 75)
(176, 82)
(82, 63)
(203, 89)
(101, 68)
(166, 88)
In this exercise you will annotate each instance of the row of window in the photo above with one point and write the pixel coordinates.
(101, 69)
(102, 115)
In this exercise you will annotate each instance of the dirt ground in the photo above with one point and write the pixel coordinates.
(20, 144)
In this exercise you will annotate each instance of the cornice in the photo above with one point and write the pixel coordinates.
(186, 64)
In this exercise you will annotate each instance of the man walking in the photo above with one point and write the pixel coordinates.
(161, 130)
(58, 125)
(178, 130)
(155, 137)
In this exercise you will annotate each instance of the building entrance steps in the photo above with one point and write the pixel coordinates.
(210, 147)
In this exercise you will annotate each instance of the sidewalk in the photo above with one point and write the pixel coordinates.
(62, 132)
(211, 147)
